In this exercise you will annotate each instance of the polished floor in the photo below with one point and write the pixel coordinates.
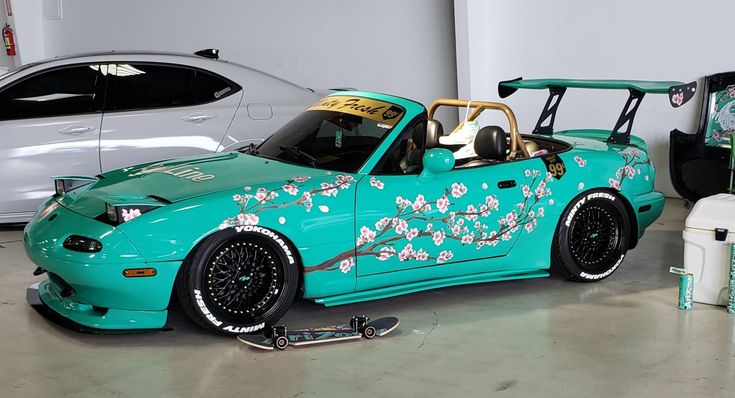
(622, 337)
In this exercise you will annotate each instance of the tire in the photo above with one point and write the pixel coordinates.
(592, 237)
(369, 332)
(239, 282)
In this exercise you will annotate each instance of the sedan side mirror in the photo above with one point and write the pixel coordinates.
(436, 161)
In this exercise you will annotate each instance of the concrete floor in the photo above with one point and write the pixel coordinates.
(542, 337)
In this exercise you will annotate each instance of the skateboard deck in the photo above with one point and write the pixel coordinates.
(310, 336)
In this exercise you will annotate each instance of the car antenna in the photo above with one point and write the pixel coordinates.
(212, 53)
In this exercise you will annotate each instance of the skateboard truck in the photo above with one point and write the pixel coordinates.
(279, 336)
(359, 325)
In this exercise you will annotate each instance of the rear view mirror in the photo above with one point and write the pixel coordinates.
(436, 161)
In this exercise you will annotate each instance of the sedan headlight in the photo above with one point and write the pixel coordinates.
(121, 213)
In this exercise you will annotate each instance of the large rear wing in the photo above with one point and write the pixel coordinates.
(679, 93)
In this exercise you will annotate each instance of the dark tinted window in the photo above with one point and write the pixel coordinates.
(142, 86)
(135, 86)
(55, 93)
(405, 157)
(326, 139)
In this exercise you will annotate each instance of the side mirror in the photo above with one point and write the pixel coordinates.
(436, 161)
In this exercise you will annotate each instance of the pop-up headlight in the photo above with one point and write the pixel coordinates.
(67, 184)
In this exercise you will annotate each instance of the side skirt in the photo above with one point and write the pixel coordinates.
(392, 291)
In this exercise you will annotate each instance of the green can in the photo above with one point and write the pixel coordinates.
(731, 286)
(686, 288)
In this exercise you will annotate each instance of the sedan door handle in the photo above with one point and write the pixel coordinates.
(197, 117)
(74, 130)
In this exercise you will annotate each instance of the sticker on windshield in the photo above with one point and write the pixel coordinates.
(382, 112)
(338, 139)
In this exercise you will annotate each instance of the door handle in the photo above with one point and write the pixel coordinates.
(197, 117)
(506, 184)
(74, 130)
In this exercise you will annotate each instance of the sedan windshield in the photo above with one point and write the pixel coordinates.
(337, 133)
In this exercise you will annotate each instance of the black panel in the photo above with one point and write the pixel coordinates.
(626, 118)
(545, 123)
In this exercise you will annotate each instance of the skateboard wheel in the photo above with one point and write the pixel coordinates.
(369, 332)
(281, 342)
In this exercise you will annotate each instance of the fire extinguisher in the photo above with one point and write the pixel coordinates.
(9, 40)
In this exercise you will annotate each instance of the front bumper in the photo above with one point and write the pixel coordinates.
(89, 289)
(108, 320)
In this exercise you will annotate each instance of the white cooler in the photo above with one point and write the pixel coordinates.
(709, 231)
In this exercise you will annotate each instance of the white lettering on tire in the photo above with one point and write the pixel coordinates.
(604, 274)
(271, 235)
(216, 322)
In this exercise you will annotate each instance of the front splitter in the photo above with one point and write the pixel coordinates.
(34, 299)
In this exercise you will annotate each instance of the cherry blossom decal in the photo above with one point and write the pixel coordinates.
(441, 219)
(580, 161)
(633, 157)
(292, 193)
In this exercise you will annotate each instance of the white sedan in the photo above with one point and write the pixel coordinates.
(84, 115)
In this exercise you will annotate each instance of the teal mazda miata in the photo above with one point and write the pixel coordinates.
(360, 197)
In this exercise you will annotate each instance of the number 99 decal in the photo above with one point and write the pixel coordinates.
(555, 166)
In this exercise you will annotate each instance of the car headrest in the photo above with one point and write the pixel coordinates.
(491, 143)
(434, 130)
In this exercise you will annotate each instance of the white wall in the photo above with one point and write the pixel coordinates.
(633, 39)
(398, 47)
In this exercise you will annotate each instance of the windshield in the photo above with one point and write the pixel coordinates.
(337, 133)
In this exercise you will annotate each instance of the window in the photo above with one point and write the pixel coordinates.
(326, 139)
(58, 92)
(145, 86)
(405, 156)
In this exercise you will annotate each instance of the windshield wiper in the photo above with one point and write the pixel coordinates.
(298, 153)
(251, 149)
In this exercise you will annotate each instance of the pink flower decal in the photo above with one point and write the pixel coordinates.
(367, 235)
(328, 189)
(458, 190)
(439, 237)
(247, 219)
(374, 182)
(526, 191)
(400, 226)
(236, 198)
(580, 161)
(382, 223)
(420, 204)
(678, 99)
(291, 189)
(442, 204)
(129, 215)
(386, 252)
(407, 253)
(444, 256)
(301, 179)
(412, 233)
(467, 239)
(614, 183)
(346, 264)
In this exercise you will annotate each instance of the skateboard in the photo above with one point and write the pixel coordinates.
(280, 337)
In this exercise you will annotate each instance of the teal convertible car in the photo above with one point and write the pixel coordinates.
(360, 197)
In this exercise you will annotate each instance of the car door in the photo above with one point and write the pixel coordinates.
(159, 111)
(49, 123)
(407, 221)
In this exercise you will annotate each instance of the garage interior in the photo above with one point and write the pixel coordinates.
(621, 337)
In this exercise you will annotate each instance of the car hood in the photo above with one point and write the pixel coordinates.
(179, 179)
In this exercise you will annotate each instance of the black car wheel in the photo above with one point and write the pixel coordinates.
(239, 282)
(592, 237)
